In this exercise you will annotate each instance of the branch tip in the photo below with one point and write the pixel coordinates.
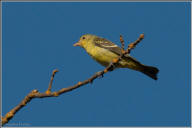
(122, 42)
(142, 36)
(133, 44)
(51, 81)
(121, 38)
(55, 71)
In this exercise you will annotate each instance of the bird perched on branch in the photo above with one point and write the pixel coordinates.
(104, 51)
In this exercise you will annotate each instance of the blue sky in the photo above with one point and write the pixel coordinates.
(38, 37)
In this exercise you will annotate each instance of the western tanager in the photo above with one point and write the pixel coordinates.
(104, 51)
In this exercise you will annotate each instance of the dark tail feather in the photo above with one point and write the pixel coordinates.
(150, 71)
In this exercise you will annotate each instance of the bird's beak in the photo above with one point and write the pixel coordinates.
(77, 44)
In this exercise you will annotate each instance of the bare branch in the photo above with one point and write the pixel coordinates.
(122, 42)
(133, 44)
(51, 81)
(36, 94)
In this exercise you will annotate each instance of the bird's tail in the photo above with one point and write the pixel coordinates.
(150, 71)
(130, 62)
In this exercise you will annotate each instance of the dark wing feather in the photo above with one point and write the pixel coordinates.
(103, 43)
(129, 58)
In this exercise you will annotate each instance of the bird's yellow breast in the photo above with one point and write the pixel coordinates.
(101, 55)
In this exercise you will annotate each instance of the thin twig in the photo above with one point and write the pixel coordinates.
(36, 94)
(122, 42)
(51, 81)
(133, 44)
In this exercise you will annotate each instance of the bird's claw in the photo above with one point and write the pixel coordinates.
(112, 67)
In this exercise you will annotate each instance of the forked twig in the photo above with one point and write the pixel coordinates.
(36, 94)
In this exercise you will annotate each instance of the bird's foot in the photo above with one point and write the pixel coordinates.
(112, 67)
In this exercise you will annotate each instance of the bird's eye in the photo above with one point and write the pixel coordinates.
(83, 38)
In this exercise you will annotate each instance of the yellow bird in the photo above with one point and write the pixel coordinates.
(104, 51)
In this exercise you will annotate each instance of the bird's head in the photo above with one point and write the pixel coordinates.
(85, 40)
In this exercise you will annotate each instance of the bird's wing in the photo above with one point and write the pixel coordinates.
(103, 43)
(106, 44)
(129, 58)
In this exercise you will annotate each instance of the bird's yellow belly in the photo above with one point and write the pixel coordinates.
(102, 56)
